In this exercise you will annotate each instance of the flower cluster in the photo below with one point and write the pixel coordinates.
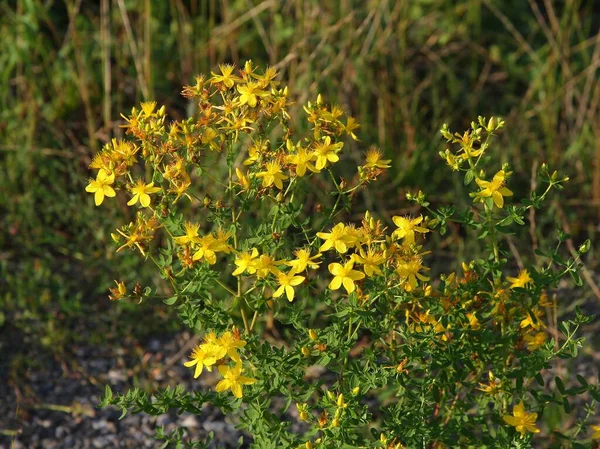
(213, 352)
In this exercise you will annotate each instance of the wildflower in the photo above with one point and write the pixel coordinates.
(521, 280)
(265, 265)
(535, 321)
(287, 282)
(303, 260)
(302, 411)
(138, 233)
(344, 275)
(473, 321)
(373, 159)
(350, 126)
(119, 292)
(243, 179)
(227, 78)
(327, 152)
(191, 234)
(596, 434)
(410, 270)
(231, 344)
(493, 385)
(303, 160)
(101, 186)
(249, 94)
(535, 341)
(523, 421)
(407, 228)
(337, 239)
(245, 262)
(312, 334)
(141, 192)
(272, 175)
(179, 188)
(148, 107)
(544, 301)
(370, 261)
(204, 355)
(494, 189)
(210, 246)
(233, 380)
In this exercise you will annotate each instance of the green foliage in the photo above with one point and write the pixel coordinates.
(280, 284)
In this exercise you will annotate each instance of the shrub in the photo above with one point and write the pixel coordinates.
(310, 315)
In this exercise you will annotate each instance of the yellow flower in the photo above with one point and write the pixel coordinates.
(523, 421)
(231, 344)
(473, 321)
(226, 77)
(521, 280)
(141, 192)
(249, 94)
(407, 228)
(535, 341)
(210, 246)
(409, 270)
(119, 292)
(350, 126)
(233, 380)
(243, 179)
(493, 386)
(373, 159)
(272, 175)
(287, 282)
(245, 262)
(191, 234)
(596, 434)
(494, 189)
(370, 261)
(204, 355)
(344, 275)
(327, 152)
(304, 260)
(302, 160)
(265, 265)
(534, 322)
(338, 238)
(148, 107)
(101, 186)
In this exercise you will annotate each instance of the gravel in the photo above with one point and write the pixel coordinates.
(51, 402)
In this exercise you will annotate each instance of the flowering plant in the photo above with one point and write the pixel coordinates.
(311, 316)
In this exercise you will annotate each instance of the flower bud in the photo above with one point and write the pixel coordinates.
(305, 351)
(313, 334)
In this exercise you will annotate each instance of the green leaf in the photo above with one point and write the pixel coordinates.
(170, 301)
(581, 380)
(576, 278)
(560, 385)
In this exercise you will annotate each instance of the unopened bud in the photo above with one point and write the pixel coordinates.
(312, 334)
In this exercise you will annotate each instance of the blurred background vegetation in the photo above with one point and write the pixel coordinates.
(68, 68)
